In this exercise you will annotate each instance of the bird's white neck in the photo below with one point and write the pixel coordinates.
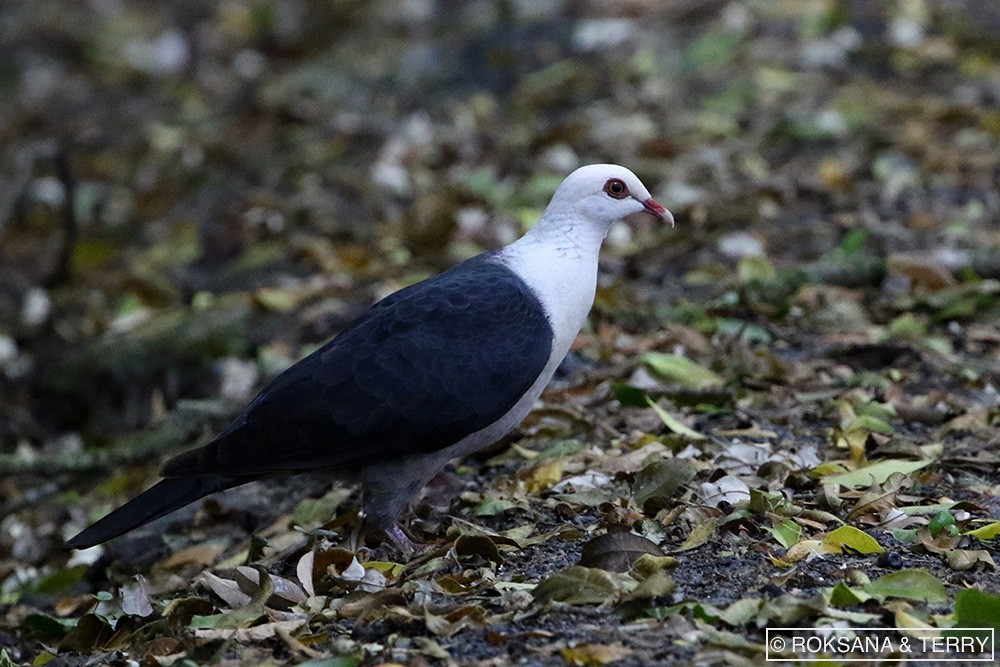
(557, 259)
(565, 234)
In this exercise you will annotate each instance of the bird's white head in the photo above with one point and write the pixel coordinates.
(604, 194)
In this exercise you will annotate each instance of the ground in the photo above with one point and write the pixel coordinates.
(782, 412)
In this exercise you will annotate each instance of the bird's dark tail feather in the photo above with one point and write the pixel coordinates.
(160, 500)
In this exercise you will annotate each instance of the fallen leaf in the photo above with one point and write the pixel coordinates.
(729, 489)
(544, 476)
(876, 473)
(682, 371)
(660, 481)
(455, 620)
(787, 532)
(657, 585)
(390, 597)
(478, 545)
(977, 609)
(200, 555)
(699, 535)
(286, 593)
(594, 655)
(922, 270)
(90, 633)
(915, 584)
(673, 423)
(246, 635)
(987, 532)
(617, 552)
(135, 598)
(576, 585)
(304, 572)
(843, 595)
(227, 589)
(46, 628)
(966, 559)
(848, 539)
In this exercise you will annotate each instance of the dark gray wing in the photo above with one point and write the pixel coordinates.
(419, 371)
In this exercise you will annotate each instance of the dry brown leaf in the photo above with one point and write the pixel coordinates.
(200, 555)
(595, 655)
(246, 635)
(617, 552)
(922, 270)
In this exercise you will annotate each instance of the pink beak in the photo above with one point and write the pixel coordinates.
(654, 208)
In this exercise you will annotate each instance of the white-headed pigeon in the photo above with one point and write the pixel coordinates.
(434, 371)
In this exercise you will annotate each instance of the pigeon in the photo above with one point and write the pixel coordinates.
(432, 372)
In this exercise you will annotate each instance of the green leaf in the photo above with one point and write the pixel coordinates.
(657, 585)
(916, 584)
(741, 612)
(787, 533)
(243, 617)
(764, 502)
(884, 412)
(843, 595)
(942, 521)
(849, 538)
(976, 609)
(682, 370)
(494, 506)
(987, 532)
(673, 423)
(916, 510)
(876, 473)
(699, 535)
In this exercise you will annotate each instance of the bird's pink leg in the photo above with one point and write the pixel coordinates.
(400, 540)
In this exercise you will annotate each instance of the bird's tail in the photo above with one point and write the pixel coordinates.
(161, 499)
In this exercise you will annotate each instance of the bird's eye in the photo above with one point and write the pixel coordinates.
(616, 188)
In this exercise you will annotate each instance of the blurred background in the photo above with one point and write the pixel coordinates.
(193, 194)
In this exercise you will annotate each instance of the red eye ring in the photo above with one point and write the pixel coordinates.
(616, 188)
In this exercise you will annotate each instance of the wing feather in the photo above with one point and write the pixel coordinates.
(422, 369)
